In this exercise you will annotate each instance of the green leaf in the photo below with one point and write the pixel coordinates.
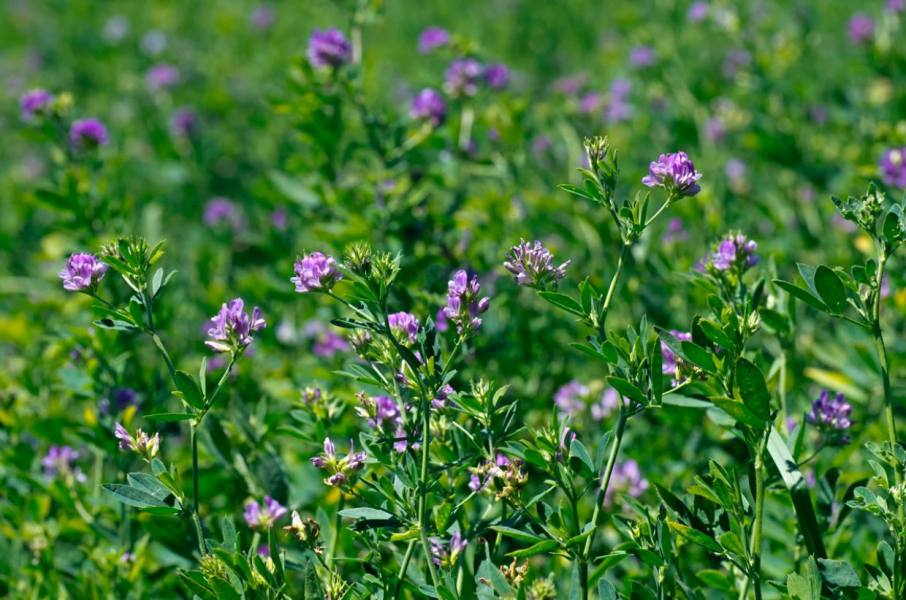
(627, 389)
(563, 302)
(189, 390)
(372, 514)
(802, 501)
(577, 450)
(801, 294)
(694, 536)
(606, 590)
(151, 485)
(831, 289)
(606, 562)
(132, 496)
(838, 573)
(539, 548)
(169, 417)
(699, 357)
(488, 572)
(737, 410)
(607, 354)
(714, 333)
(517, 534)
(752, 389)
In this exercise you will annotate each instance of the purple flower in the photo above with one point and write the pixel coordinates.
(670, 361)
(87, 133)
(533, 265)
(446, 553)
(893, 167)
(462, 76)
(404, 326)
(233, 327)
(144, 445)
(675, 173)
(429, 105)
(676, 231)
(184, 122)
(280, 218)
(626, 478)
(340, 470)
(161, 76)
(223, 211)
(571, 84)
(35, 102)
(715, 130)
(698, 11)
(735, 169)
(443, 394)
(431, 38)
(830, 414)
(440, 320)
(860, 28)
(895, 6)
(328, 344)
(263, 517)
(497, 76)
(262, 17)
(328, 48)
(735, 250)
(620, 88)
(570, 397)
(463, 303)
(60, 461)
(83, 272)
(642, 56)
(315, 272)
(610, 400)
(591, 102)
(617, 111)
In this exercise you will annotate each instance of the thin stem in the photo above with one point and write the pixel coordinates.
(782, 388)
(602, 494)
(210, 400)
(335, 545)
(663, 207)
(453, 353)
(465, 127)
(423, 492)
(757, 525)
(196, 516)
(403, 568)
(610, 291)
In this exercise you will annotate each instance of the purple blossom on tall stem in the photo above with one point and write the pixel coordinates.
(431, 38)
(626, 478)
(83, 272)
(340, 470)
(860, 28)
(497, 76)
(445, 553)
(263, 517)
(328, 48)
(60, 461)
(233, 327)
(570, 397)
(316, 272)
(464, 304)
(161, 76)
(87, 133)
(35, 103)
(429, 105)
(533, 265)
(675, 173)
(736, 250)
(831, 415)
(462, 77)
(603, 408)
(404, 326)
(893, 167)
(443, 394)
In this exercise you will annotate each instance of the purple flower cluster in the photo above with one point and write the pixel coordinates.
(432, 38)
(141, 443)
(736, 250)
(443, 394)
(233, 327)
(340, 469)
(445, 553)
(618, 107)
(626, 478)
(161, 76)
(462, 77)
(570, 397)
(83, 272)
(263, 517)
(463, 303)
(223, 211)
(603, 408)
(642, 56)
(60, 461)
(378, 410)
(404, 326)
(893, 167)
(533, 265)
(328, 344)
(670, 361)
(34, 103)
(184, 122)
(316, 272)
(831, 414)
(262, 17)
(675, 173)
(87, 133)
(860, 28)
(328, 48)
(698, 11)
(497, 76)
(429, 105)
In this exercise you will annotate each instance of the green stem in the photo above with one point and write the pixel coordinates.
(602, 492)
(610, 291)
(196, 516)
(423, 492)
(403, 568)
(757, 525)
(335, 545)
